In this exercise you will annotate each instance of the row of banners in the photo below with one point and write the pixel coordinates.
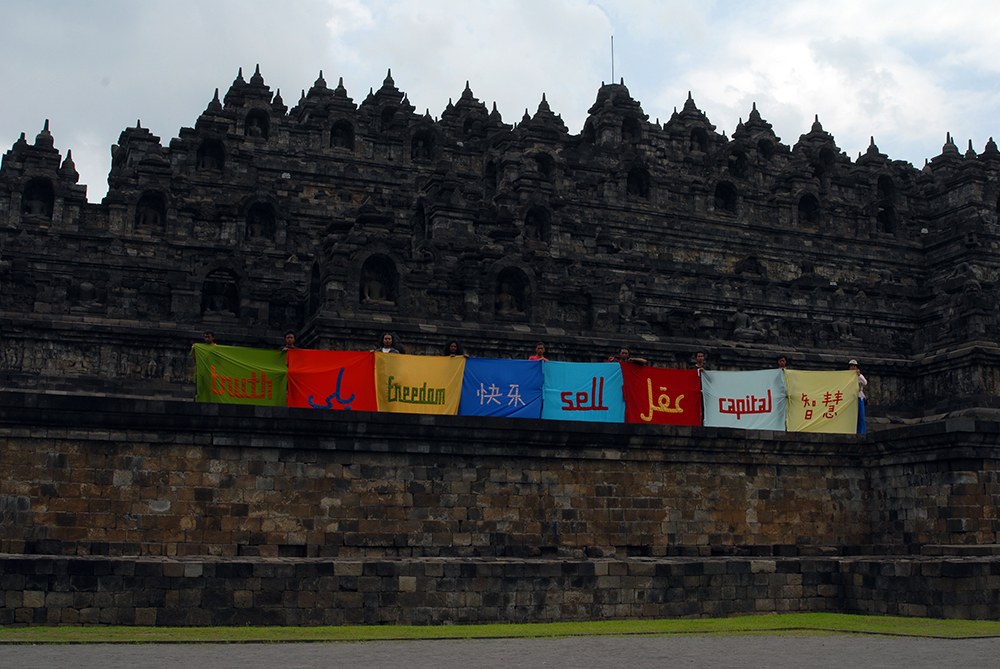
(768, 399)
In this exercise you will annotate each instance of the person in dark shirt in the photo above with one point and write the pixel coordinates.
(387, 343)
(623, 356)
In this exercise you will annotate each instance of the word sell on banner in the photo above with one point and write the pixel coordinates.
(502, 388)
(335, 380)
(752, 400)
(583, 391)
(236, 375)
(418, 383)
(822, 401)
(655, 396)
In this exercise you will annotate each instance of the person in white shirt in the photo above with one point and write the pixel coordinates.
(862, 382)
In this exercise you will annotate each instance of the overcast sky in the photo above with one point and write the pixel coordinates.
(907, 72)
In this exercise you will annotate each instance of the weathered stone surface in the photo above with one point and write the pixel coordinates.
(418, 591)
(127, 482)
(340, 220)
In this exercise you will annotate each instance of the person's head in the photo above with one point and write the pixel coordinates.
(289, 338)
(782, 362)
(623, 353)
(209, 337)
(853, 364)
(386, 340)
(453, 348)
(540, 349)
(699, 357)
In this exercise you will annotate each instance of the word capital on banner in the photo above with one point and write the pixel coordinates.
(752, 400)
(822, 401)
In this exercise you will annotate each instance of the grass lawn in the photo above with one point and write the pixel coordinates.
(797, 623)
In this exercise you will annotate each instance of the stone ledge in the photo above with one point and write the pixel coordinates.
(201, 591)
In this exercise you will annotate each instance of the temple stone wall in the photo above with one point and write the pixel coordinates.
(120, 511)
(90, 475)
(341, 219)
(47, 590)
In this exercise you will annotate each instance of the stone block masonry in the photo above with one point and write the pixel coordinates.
(44, 590)
(419, 509)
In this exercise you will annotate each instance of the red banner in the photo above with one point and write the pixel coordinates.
(337, 380)
(655, 396)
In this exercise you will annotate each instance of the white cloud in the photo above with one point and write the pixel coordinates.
(510, 52)
(906, 72)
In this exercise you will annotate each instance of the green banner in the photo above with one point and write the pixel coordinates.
(234, 375)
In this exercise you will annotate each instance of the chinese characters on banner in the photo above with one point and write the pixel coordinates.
(822, 401)
(235, 375)
(583, 391)
(753, 400)
(502, 388)
(655, 396)
(337, 380)
(417, 383)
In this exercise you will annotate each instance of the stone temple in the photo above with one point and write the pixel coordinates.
(340, 220)
(124, 502)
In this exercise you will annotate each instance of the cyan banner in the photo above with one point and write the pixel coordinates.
(584, 391)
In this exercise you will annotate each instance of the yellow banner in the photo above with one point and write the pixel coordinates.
(418, 383)
(822, 401)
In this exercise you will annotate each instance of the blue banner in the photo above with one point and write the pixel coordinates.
(501, 388)
(752, 400)
(584, 391)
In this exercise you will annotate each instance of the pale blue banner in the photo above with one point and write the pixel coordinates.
(753, 400)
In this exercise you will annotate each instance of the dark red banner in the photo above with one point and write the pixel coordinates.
(655, 396)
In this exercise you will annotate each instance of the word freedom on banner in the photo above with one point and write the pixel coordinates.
(414, 395)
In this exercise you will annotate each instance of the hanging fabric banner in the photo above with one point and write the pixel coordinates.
(337, 380)
(822, 401)
(236, 375)
(584, 391)
(502, 388)
(418, 383)
(753, 400)
(656, 396)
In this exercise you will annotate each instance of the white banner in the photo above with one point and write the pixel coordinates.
(752, 400)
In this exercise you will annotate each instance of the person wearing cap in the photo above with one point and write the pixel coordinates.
(862, 382)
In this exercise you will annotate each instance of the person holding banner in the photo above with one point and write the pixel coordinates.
(782, 362)
(862, 382)
(699, 361)
(539, 352)
(386, 342)
(454, 349)
(623, 356)
(289, 341)
(209, 341)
